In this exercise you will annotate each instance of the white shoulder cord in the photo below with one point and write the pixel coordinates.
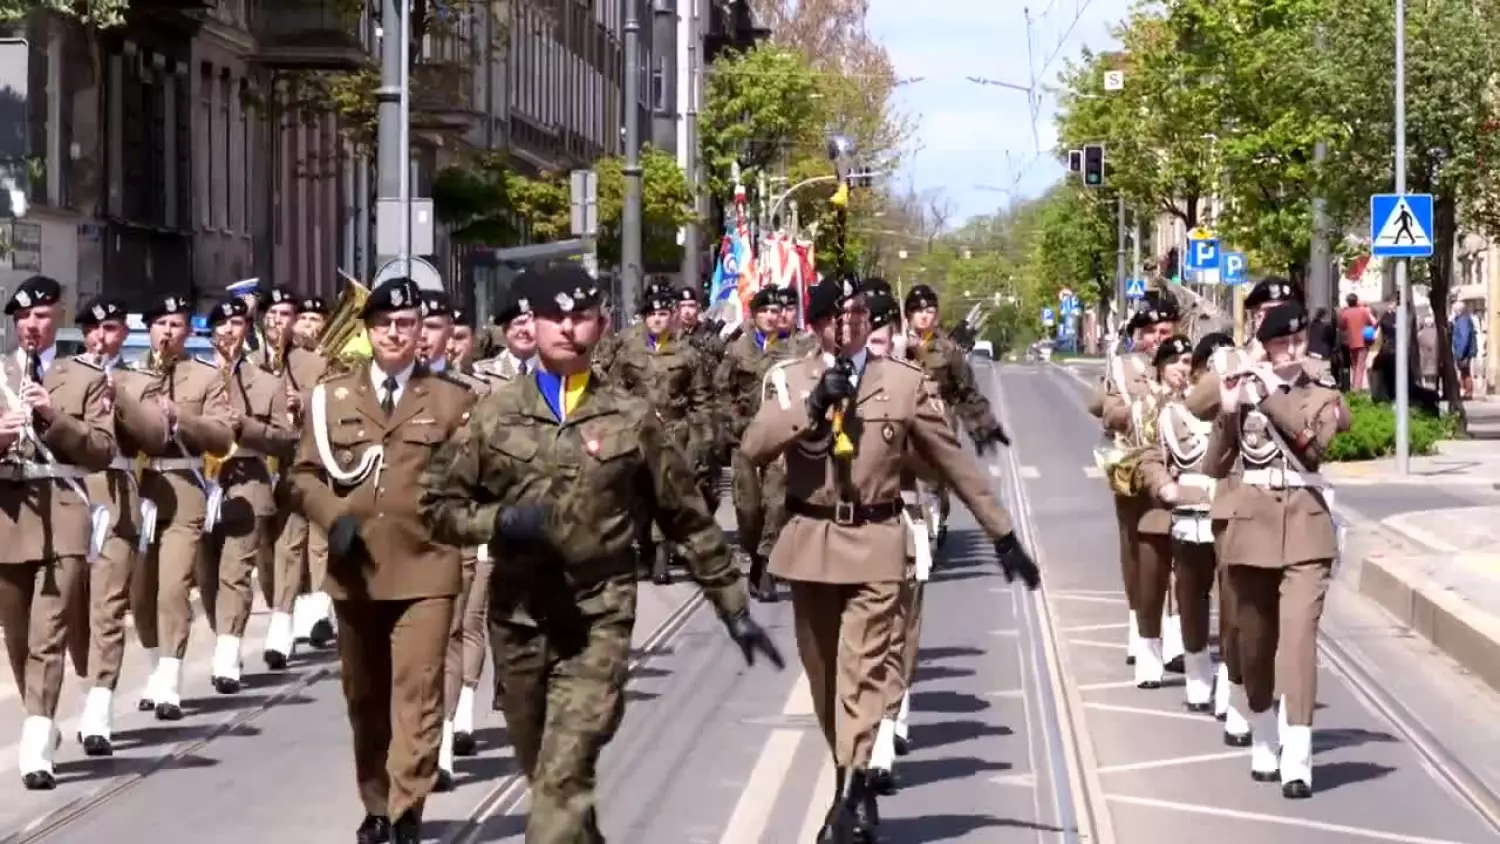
(372, 459)
(1188, 456)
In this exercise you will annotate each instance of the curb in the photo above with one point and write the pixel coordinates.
(1468, 635)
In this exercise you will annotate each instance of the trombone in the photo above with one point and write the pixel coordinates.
(230, 354)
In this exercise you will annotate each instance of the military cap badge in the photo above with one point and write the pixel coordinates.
(398, 298)
(565, 302)
(100, 312)
(23, 298)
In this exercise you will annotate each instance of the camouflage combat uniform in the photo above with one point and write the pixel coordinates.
(948, 366)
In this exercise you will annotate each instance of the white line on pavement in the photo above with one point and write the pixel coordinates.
(753, 810)
(1112, 684)
(1090, 599)
(1282, 820)
(1093, 472)
(1174, 762)
(1030, 473)
(1090, 643)
(1142, 710)
(1094, 628)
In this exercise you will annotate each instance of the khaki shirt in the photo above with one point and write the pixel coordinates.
(206, 424)
(138, 420)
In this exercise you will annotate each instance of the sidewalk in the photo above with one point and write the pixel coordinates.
(1458, 462)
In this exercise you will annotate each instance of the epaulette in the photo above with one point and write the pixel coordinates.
(85, 360)
(453, 378)
(208, 363)
(1326, 379)
(915, 367)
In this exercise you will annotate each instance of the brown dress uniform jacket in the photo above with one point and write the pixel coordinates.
(45, 519)
(137, 420)
(205, 425)
(397, 558)
(259, 400)
(1110, 399)
(1281, 523)
(896, 408)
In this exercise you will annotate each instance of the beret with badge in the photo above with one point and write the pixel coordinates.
(766, 297)
(34, 292)
(1155, 313)
(920, 298)
(1208, 344)
(313, 305)
(396, 294)
(787, 296)
(657, 300)
(512, 306)
(828, 297)
(172, 305)
(558, 290)
(226, 310)
(281, 296)
(99, 309)
(1269, 290)
(463, 317)
(436, 303)
(688, 294)
(1171, 349)
(884, 309)
(1284, 320)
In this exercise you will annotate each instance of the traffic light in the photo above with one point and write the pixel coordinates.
(1093, 166)
(1075, 161)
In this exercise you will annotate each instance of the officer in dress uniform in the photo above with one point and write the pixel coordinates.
(1278, 540)
(138, 419)
(1118, 399)
(202, 421)
(845, 422)
(557, 472)
(55, 429)
(233, 550)
(369, 435)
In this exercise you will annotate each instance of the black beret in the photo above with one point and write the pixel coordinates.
(873, 285)
(1172, 348)
(688, 294)
(1283, 320)
(558, 290)
(1208, 345)
(1164, 310)
(766, 297)
(99, 309)
(787, 296)
(396, 294)
(657, 300)
(312, 305)
(1270, 290)
(884, 309)
(920, 297)
(829, 296)
(165, 306)
(464, 317)
(34, 292)
(226, 309)
(436, 303)
(514, 304)
(280, 296)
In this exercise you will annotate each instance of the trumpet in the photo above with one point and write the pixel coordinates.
(276, 359)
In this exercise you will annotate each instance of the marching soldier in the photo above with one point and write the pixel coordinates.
(845, 421)
(564, 590)
(194, 398)
(233, 549)
(1125, 387)
(689, 320)
(611, 344)
(461, 347)
(56, 428)
(312, 315)
(138, 419)
(665, 370)
(248, 291)
(370, 434)
(1278, 537)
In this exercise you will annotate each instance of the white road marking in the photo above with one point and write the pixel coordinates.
(1090, 643)
(1093, 599)
(1172, 763)
(1093, 472)
(752, 813)
(994, 470)
(1007, 693)
(1142, 710)
(1094, 628)
(1018, 780)
(1282, 820)
(1114, 593)
(817, 808)
(1005, 631)
(1030, 473)
(1111, 684)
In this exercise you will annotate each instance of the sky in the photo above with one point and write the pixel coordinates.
(972, 139)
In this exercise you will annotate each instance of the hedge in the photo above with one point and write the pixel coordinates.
(1372, 431)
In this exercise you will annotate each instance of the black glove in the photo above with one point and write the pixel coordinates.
(522, 524)
(984, 440)
(343, 536)
(1015, 562)
(751, 637)
(836, 385)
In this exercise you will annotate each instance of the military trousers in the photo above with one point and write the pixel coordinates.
(843, 638)
(300, 563)
(453, 653)
(1153, 576)
(1128, 512)
(562, 689)
(476, 610)
(1193, 586)
(36, 601)
(1277, 611)
(906, 633)
(109, 600)
(745, 496)
(226, 565)
(1229, 632)
(391, 655)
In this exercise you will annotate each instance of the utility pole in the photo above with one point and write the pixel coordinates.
(1403, 289)
(1136, 270)
(395, 236)
(691, 266)
(1120, 258)
(1321, 293)
(631, 269)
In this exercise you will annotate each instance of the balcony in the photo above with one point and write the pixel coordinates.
(442, 95)
(309, 35)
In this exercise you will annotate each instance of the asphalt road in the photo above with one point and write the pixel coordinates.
(1025, 725)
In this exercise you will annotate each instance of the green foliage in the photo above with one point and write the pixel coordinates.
(1372, 432)
(1074, 247)
(758, 106)
(100, 14)
(666, 205)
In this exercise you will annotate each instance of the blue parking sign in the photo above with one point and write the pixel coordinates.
(1235, 268)
(1203, 254)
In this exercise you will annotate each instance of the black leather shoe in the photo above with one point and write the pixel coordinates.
(226, 685)
(39, 781)
(838, 824)
(444, 782)
(1296, 790)
(1174, 665)
(321, 634)
(1265, 776)
(464, 744)
(942, 535)
(1200, 708)
(1148, 684)
(376, 829)
(769, 594)
(407, 830)
(97, 746)
(1236, 739)
(145, 704)
(903, 746)
(866, 814)
(275, 660)
(168, 712)
(884, 782)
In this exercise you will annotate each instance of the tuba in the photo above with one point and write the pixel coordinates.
(213, 464)
(344, 326)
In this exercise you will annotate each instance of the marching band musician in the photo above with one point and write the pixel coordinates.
(1278, 539)
(138, 419)
(370, 433)
(312, 315)
(461, 345)
(56, 428)
(201, 421)
(1116, 401)
(248, 291)
(233, 549)
(1172, 475)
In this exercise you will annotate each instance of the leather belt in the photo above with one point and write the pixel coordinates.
(845, 513)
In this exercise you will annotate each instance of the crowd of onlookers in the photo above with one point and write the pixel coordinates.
(1361, 342)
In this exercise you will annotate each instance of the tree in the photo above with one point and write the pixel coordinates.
(96, 13)
(666, 205)
(759, 106)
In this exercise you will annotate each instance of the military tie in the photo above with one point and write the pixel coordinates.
(388, 401)
(35, 362)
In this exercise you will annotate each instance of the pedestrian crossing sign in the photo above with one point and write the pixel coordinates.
(1135, 288)
(1401, 225)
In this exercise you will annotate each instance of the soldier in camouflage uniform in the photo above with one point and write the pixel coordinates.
(558, 472)
(658, 365)
(611, 344)
(948, 366)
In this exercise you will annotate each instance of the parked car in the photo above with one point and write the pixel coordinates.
(983, 349)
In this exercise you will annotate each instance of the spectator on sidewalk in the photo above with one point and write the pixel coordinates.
(1353, 320)
(1465, 346)
(1427, 351)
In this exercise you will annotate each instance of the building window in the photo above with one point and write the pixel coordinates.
(659, 86)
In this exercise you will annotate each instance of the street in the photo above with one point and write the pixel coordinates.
(1025, 723)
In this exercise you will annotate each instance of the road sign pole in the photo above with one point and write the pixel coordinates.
(1403, 304)
(1120, 260)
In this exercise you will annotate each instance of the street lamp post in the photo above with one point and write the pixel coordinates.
(1403, 305)
(631, 270)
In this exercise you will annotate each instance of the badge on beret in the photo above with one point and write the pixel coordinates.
(848, 288)
(398, 297)
(170, 303)
(524, 305)
(23, 298)
(100, 312)
(565, 302)
(888, 432)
